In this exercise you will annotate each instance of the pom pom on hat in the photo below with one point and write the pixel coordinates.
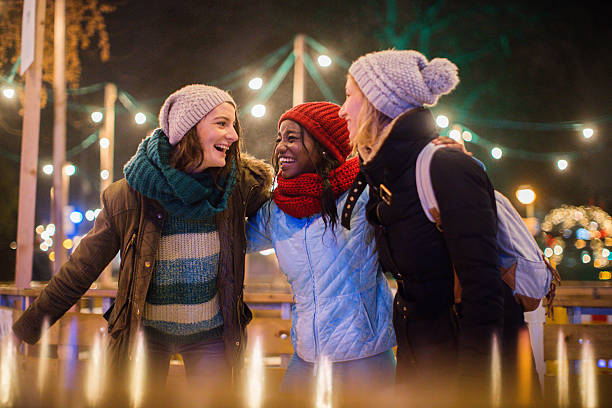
(186, 107)
(395, 81)
(440, 75)
(321, 121)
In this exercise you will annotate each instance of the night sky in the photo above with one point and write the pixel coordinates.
(517, 62)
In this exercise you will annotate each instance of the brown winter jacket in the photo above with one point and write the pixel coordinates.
(132, 223)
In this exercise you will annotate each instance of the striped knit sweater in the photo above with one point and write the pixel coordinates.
(182, 304)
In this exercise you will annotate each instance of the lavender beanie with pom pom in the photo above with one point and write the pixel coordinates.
(395, 81)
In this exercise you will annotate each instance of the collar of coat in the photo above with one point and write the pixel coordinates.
(399, 144)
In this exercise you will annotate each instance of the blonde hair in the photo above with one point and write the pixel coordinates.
(370, 122)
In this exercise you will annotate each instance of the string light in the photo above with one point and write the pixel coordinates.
(324, 60)
(562, 164)
(455, 134)
(258, 111)
(256, 83)
(48, 169)
(525, 195)
(140, 118)
(496, 153)
(442, 121)
(8, 92)
(69, 170)
(97, 116)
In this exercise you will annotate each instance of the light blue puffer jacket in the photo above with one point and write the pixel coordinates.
(343, 303)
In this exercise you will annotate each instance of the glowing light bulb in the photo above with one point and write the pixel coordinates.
(256, 83)
(455, 135)
(324, 60)
(258, 111)
(467, 136)
(587, 133)
(104, 142)
(442, 121)
(48, 169)
(140, 118)
(104, 174)
(76, 217)
(548, 252)
(558, 249)
(69, 169)
(90, 215)
(9, 93)
(562, 164)
(525, 195)
(97, 116)
(496, 153)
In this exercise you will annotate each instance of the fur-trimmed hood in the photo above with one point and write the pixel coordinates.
(259, 169)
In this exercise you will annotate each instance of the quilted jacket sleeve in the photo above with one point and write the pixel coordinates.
(259, 235)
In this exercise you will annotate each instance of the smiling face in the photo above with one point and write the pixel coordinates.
(216, 134)
(295, 150)
(351, 107)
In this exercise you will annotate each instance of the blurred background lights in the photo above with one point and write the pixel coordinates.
(39, 229)
(586, 258)
(496, 153)
(69, 169)
(601, 363)
(50, 229)
(96, 212)
(562, 164)
(13, 245)
(104, 174)
(548, 252)
(455, 135)
(44, 246)
(90, 215)
(258, 110)
(256, 83)
(605, 252)
(558, 249)
(104, 142)
(582, 233)
(76, 217)
(97, 116)
(47, 169)
(324, 60)
(525, 195)
(587, 133)
(467, 136)
(442, 121)
(8, 93)
(140, 118)
(267, 252)
(68, 243)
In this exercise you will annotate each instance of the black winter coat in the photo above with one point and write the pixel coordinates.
(432, 338)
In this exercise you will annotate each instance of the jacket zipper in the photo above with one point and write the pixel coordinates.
(314, 293)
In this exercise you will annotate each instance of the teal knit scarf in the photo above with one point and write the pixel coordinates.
(150, 173)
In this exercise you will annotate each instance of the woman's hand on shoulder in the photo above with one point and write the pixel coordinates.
(442, 140)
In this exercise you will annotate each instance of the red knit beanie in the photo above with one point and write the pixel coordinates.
(321, 121)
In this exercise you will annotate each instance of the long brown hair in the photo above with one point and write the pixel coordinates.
(188, 154)
(323, 163)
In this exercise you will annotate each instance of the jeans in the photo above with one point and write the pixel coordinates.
(205, 362)
(369, 373)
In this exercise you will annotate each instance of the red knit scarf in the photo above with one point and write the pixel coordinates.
(300, 196)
